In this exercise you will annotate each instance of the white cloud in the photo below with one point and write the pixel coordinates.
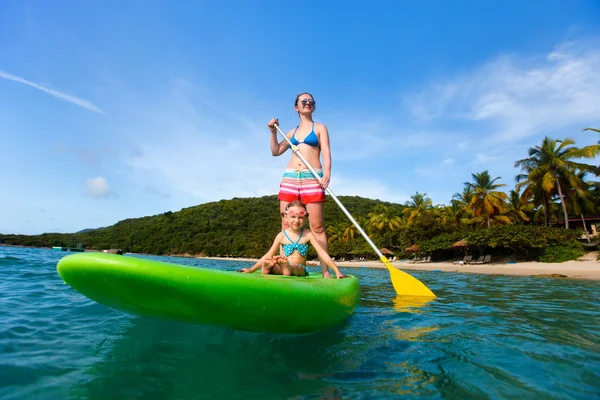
(185, 150)
(481, 158)
(516, 98)
(98, 187)
(371, 188)
(207, 171)
(85, 155)
(364, 142)
(440, 169)
(209, 150)
(55, 93)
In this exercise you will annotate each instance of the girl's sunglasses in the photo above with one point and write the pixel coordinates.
(304, 101)
(300, 213)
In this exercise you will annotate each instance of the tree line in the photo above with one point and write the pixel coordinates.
(552, 185)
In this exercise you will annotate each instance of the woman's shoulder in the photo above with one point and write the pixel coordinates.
(320, 127)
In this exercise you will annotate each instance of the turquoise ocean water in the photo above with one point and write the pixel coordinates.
(484, 337)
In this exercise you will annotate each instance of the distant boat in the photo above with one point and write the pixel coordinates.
(114, 251)
(78, 249)
(62, 248)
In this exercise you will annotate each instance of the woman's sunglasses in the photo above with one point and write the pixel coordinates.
(304, 101)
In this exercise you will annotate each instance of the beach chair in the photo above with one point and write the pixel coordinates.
(478, 261)
(465, 260)
(415, 260)
(426, 260)
(485, 260)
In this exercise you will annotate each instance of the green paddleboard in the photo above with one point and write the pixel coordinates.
(253, 302)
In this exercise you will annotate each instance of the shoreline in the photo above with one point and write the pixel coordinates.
(585, 269)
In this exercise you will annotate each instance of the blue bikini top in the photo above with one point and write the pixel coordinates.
(311, 139)
(288, 249)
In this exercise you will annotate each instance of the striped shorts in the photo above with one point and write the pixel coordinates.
(301, 185)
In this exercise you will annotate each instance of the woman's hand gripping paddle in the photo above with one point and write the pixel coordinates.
(404, 284)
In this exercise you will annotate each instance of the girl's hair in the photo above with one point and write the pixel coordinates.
(295, 203)
(298, 99)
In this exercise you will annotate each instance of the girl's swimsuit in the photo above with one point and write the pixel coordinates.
(301, 184)
(301, 248)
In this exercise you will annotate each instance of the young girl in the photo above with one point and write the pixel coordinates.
(294, 243)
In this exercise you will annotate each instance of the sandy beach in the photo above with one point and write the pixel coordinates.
(585, 268)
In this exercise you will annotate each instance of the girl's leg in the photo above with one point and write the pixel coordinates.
(283, 265)
(298, 270)
(317, 226)
(277, 270)
(272, 267)
(288, 269)
(267, 267)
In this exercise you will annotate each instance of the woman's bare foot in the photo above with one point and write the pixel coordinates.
(339, 275)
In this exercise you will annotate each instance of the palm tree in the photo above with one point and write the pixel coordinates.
(550, 169)
(592, 129)
(487, 203)
(464, 199)
(453, 214)
(335, 233)
(518, 209)
(350, 231)
(534, 193)
(581, 200)
(466, 196)
(419, 203)
(382, 218)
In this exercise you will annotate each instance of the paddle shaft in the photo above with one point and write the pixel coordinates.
(403, 283)
(330, 192)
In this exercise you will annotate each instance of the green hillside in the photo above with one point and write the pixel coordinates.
(243, 227)
(247, 227)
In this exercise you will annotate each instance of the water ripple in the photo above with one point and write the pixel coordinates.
(483, 337)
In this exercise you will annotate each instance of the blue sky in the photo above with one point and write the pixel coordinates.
(112, 110)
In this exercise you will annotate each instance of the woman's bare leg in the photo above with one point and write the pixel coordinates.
(282, 205)
(317, 226)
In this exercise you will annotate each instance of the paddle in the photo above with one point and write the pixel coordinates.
(404, 284)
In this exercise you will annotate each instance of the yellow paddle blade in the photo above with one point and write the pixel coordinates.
(411, 304)
(405, 284)
(414, 334)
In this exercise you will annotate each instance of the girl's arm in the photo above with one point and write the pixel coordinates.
(269, 254)
(324, 256)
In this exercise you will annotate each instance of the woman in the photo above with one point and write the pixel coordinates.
(298, 182)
